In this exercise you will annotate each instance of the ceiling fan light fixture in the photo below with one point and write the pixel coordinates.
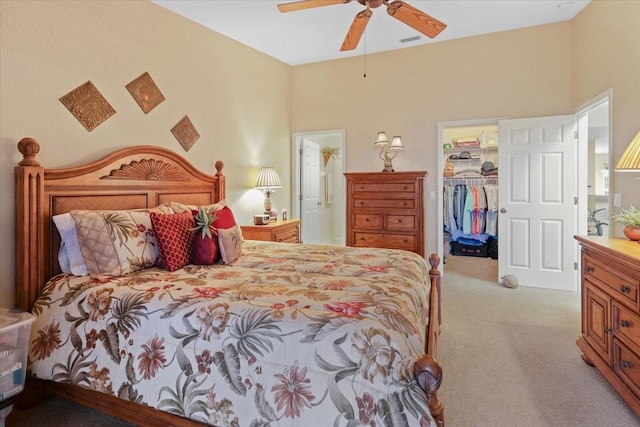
(403, 12)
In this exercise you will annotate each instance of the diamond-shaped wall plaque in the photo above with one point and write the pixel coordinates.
(185, 133)
(88, 105)
(145, 92)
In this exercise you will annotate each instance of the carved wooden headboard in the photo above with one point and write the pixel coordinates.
(135, 177)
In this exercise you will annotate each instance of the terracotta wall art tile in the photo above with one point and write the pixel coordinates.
(88, 105)
(185, 133)
(144, 90)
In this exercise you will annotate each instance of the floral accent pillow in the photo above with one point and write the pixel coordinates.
(175, 234)
(115, 242)
(229, 235)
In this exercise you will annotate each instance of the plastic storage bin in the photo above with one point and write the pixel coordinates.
(15, 328)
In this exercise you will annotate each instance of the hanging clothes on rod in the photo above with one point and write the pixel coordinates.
(470, 209)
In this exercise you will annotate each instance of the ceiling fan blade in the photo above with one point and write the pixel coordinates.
(355, 31)
(416, 19)
(307, 4)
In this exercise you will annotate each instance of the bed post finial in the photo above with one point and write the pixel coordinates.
(219, 165)
(29, 147)
(429, 376)
(434, 261)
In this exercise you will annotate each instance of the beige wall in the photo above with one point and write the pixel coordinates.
(245, 105)
(237, 98)
(523, 73)
(606, 55)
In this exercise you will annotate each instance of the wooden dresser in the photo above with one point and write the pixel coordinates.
(385, 210)
(610, 338)
(286, 231)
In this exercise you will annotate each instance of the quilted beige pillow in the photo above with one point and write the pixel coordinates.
(114, 243)
(178, 207)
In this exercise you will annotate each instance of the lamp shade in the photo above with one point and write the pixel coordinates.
(268, 179)
(382, 139)
(630, 160)
(396, 144)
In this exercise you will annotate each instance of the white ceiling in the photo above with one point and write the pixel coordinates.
(314, 35)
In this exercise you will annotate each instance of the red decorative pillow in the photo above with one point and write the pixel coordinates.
(174, 235)
(224, 218)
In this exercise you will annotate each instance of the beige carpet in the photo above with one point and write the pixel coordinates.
(509, 359)
(509, 356)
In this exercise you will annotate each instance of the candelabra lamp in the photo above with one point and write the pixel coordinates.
(268, 181)
(388, 151)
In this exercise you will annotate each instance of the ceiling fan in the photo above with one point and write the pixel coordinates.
(416, 19)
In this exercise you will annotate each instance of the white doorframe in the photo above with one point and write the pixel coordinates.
(339, 190)
(582, 113)
(440, 167)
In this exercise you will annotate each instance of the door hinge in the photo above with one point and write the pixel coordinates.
(575, 265)
(575, 200)
(300, 197)
(575, 135)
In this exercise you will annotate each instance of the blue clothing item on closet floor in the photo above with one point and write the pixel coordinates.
(470, 239)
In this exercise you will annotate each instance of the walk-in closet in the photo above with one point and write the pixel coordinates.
(470, 190)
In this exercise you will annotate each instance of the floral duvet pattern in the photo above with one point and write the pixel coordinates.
(285, 335)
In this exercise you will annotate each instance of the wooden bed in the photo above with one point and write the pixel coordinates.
(131, 178)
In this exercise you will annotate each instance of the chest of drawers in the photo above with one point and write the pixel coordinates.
(610, 338)
(385, 210)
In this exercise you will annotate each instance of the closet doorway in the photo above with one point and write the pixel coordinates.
(537, 216)
(321, 184)
(468, 161)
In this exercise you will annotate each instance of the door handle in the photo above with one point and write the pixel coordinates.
(319, 203)
(503, 210)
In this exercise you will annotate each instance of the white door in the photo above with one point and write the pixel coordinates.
(537, 192)
(310, 185)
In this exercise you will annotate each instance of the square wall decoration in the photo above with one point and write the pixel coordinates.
(145, 92)
(88, 106)
(185, 133)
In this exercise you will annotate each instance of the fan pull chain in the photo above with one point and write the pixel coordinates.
(365, 56)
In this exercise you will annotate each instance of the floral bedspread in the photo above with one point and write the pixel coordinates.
(285, 335)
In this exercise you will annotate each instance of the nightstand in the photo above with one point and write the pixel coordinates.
(286, 231)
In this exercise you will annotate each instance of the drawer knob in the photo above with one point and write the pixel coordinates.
(406, 240)
(589, 269)
(625, 324)
(361, 202)
(606, 330)
(366, 220)
(399, 221)
(362, 187)
(625, 289)
(626, 364)
(361, 238)
(405, 187)
(404, 203)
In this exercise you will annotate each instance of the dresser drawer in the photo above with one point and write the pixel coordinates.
(289, 235)
(400, 222)
(385, 240)
(622, 285)
(626, 324)
(384, 187)
(372, 221)
(384, 203)
(627, 365)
